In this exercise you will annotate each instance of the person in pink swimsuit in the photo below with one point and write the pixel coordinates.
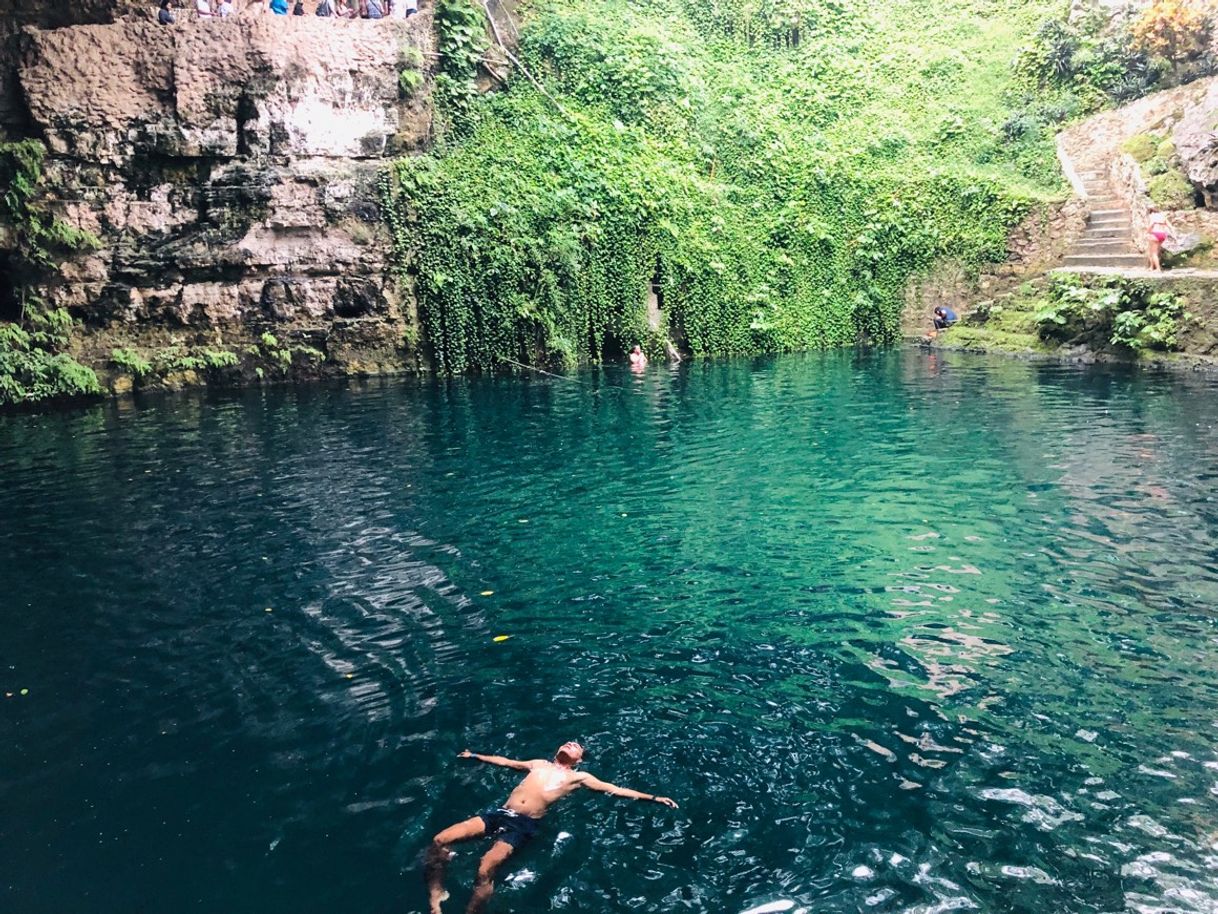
(1160, 230)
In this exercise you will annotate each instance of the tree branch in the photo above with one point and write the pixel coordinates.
(516, 61)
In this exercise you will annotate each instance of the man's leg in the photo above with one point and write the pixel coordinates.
(438, 855)
(484, 885)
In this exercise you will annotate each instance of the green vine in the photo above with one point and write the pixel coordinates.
(461, 36)
(780, 191)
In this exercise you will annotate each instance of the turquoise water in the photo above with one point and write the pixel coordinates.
(899, 632)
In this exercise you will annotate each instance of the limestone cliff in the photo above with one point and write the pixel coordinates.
(230, 170)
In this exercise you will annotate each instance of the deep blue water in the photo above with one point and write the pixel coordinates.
(900, 632)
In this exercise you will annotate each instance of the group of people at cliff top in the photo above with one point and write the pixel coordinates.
(338, 9)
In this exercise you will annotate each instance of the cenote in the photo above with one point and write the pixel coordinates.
(900, 632)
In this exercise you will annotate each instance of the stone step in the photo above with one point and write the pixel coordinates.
(1109, 213)
(1112, 246)
(1108, 202)
(1123, 238)
(1111, 239)
(1122, 224)
(1105, 260)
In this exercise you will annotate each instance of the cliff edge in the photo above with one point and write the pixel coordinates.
(230, 169)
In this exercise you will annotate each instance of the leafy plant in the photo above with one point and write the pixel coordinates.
(409, 82)
(1111, 311)
(1155, 166)
(1176, 30)
(462, 39)
(271, 349)
(1094, 58)
(34, 365)
(34, 362)
(180, 358)
(132, 362)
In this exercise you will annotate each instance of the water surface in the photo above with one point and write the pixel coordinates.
(900, 633)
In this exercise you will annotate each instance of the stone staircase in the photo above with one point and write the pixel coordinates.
(1107, 240)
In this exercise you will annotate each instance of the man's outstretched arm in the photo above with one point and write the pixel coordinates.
(614, 791)
(498, 760)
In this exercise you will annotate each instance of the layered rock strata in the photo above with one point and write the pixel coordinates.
(230, 170)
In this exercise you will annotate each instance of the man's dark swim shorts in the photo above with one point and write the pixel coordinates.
(512, 827)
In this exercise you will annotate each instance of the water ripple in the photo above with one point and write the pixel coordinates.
(901, 634)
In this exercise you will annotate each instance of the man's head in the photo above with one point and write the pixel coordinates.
(570, 753)
(939, 312)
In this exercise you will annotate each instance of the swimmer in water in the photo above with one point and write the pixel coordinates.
(516, 822)
(637, 358)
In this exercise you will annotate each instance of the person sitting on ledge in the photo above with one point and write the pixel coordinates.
(516, 822)
(224, 9)
(944, 317)
(165, 16)
(279, 7)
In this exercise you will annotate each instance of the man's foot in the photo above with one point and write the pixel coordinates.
(437, 901)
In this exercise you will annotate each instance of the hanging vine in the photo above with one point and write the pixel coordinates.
(779, 200)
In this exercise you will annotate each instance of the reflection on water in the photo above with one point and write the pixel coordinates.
(901, 634)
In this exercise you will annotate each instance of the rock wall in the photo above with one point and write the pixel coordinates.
(1036, 245)
(230, 169)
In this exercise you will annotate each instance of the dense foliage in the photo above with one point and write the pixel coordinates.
(777, 168)
(1175, 30)
(1100, 55)
(34, 363)
(1113, 311)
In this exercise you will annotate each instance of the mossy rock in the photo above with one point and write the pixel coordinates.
(1141, 147)
(1166, 150)
(1171, 190)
